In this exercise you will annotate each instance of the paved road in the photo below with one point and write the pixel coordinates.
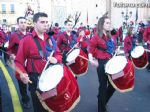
(137, 100)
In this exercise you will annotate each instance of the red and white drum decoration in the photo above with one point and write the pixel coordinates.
(58, 89)
(77, 64)
(139, 57)
(120, 73)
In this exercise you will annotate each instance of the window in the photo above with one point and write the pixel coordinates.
(12, 8)
(3, 8)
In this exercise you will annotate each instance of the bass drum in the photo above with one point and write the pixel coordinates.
(58, 89)
(120, 73)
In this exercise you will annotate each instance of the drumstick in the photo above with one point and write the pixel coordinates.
(48, 61)
(18, 71)
(72, 48)
(116, 52)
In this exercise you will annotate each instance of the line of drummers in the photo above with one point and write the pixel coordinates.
(50, 61)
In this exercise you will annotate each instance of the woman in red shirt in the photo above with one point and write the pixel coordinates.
(101, 47)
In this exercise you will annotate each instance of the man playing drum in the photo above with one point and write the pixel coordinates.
(67, 39)
(33, 49)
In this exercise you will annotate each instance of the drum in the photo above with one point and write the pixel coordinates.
(77, 64)
(139, 57)
(58, 89)
(120, 73)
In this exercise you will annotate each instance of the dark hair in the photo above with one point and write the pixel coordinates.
(38, 15)
(20, 18)
(56, 24)
(67, 21)
(100, 25)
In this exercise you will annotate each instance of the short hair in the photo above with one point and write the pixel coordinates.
(20, 18)
(67, 21)
(56, 24)
(38, 15)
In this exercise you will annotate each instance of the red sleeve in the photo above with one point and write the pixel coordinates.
(145, 35)
(59, 41)
(22, 55)
(58, 55)
(13, 40)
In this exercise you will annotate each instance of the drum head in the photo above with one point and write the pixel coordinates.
(51, 77)
(137, 52)
(73, 55)
(6, 44)
(115, 65)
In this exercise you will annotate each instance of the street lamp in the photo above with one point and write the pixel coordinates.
(126, 15)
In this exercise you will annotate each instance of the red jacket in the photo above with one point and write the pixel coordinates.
(146, 35)
(128, 44)
(28, 50)
(96, 42)
(2, 38)
(84, 43)
(14, 42)
(63, 43)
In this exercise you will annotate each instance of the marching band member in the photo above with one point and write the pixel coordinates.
(83, 40)
(128, 42)
(101, 47)
(67, 39)
(33, 48)
(12, 49)
(146, 37)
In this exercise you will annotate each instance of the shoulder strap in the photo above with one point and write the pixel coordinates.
(39, 47)
(18, 35)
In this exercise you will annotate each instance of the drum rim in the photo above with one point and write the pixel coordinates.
(49, 87)
(115, 72)
(133, 53)
(70, 53)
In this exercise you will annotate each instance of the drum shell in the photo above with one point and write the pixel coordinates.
(126, 82)
(80, 66)
(140, 62)
(67, 94)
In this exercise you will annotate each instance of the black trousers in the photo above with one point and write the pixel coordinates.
(105, 88)
(32, 88)
(23, 91)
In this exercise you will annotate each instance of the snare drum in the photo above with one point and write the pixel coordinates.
(77, 64)
(120, 73)
(139, 57)
(59, 91)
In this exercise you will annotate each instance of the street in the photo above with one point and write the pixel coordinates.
(137, 100)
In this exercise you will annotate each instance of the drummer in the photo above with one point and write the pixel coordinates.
(66, 39)
(101, 47)
(129, 42)
(33, 48)
(83, 39)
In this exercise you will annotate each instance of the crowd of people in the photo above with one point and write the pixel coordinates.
(30, 51)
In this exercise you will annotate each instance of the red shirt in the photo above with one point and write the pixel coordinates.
(2, 37)
(96, 42)
(84, 43)
(128, 44)
(14, 42)
(28, 49)
(146, 35)
(64, 43)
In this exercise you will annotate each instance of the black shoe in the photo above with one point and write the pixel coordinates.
(26, 105)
